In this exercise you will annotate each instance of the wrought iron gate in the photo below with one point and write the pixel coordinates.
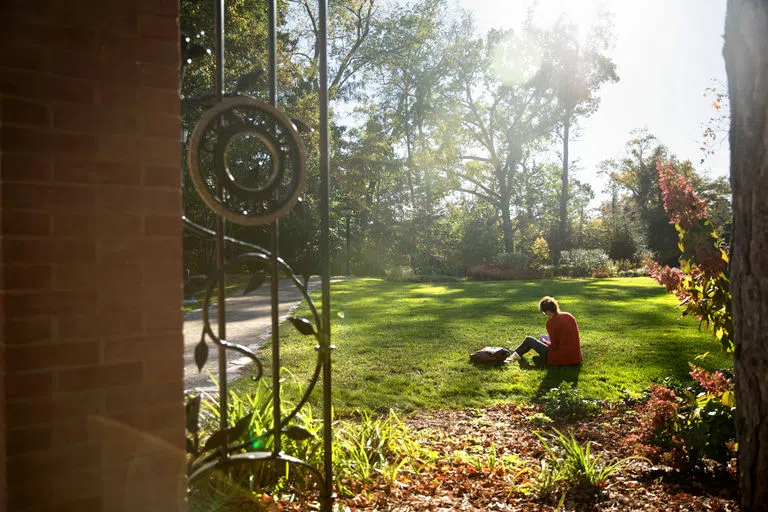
(274, 136)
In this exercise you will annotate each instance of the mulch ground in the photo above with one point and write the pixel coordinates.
(454, 485)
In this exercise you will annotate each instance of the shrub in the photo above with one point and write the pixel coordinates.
(515, 261)
(567, 402)
(583, 262)
(541, 252)
(681, 425)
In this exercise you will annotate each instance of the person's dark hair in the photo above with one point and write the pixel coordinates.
(549, 304)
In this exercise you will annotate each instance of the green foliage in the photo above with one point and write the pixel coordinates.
(540, 251)
(680, 425)
(575, 468)
(515, 261)
(585, 263)
(567, 402)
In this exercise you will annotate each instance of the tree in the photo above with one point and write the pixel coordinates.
(746, 37)
(636, 173)
(501, 117)
(578, 69)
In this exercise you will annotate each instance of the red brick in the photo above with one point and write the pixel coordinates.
(25, 167)
(25, 56)
(117, 95)
(31, 412)
(28, 84)
(143, 348)
(166, 415)
(76, 225)
(117, 48)
(79, 327)
(68, 62)
(159, 27)
(36, 304)
(166, 225)
(122, 226)
(94, 119)
(160, 125)
(71, 199)
(70, 432)
(160, 100)
(100, 377)
(34, 140)
(68, 170)
(23, 112)
(120, 72)
(36, 357)
(27, 223)
(162, 202)
(74, 276)
(29, 385)
(119, 200)
(75, 485)
(48, 250)
(28, 330)
(162, 320)
(27, 277)
(160, 75)
(81, 404)
(25, 439)
(161, 52)
(159, 151)
(119, 148)
(163, 176)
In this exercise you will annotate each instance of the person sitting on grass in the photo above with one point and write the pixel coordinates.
(561, 345)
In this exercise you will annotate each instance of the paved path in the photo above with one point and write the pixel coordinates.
(249, 323)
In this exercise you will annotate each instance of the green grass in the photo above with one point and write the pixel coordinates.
(406, 345)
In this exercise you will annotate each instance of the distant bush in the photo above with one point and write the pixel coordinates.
(585, 263)
(516, 261)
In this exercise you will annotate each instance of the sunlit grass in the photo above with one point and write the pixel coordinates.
(406, 346)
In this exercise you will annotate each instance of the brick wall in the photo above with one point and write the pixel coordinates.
(91, 255)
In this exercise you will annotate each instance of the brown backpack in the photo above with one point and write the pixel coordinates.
(493, 356)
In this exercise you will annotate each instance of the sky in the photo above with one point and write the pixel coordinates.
(667, 52)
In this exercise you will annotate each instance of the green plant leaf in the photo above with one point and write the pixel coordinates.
(302, 325)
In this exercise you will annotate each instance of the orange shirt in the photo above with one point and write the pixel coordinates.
(565, 347)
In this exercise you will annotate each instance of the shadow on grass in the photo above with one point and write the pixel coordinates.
(556, 375)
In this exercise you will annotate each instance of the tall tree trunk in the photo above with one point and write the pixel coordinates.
(746, 37)
(562, 243)
(506, 228)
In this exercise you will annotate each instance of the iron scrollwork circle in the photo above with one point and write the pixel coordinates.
(274, 144)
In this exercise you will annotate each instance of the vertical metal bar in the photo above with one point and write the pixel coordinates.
(274, 242)
(218, 16)
(325, 280)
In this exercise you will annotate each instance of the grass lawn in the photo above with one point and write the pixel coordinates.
(406, 345)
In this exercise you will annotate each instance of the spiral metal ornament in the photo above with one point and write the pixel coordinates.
(247, 161)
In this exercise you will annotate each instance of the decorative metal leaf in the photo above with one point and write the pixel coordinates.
(201, 354)
(298, 433)
(193, 413)
(302, 325)
(249, 81)
(301, 126)
(218, 438)
(240, 428)
(195, 51)
(222, 437)
(257, 279)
